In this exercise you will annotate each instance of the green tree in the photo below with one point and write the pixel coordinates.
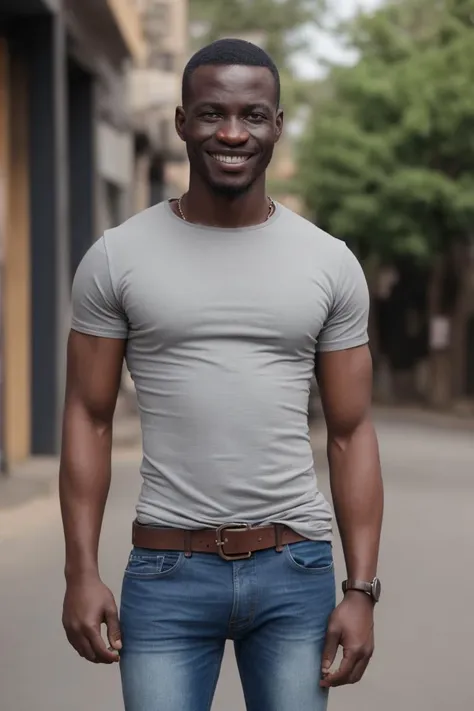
(388, 159)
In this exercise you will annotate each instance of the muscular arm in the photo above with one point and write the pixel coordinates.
(344, 373)
(345, 381)
(93, 377)
(94, 367)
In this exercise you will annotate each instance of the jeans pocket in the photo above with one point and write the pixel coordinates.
(314, 557)
(153, 564)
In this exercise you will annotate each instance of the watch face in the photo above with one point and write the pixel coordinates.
(376, 589)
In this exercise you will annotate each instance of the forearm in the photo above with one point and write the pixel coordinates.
(85, 474)
(357, 489)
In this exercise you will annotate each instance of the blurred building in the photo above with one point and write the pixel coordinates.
(154, 90)
(67, 149)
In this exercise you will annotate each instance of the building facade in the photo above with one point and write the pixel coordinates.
(66, 172)
(155, 91)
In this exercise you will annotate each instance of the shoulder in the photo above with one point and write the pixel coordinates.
(331, 258)
(311, 237)
(136, 230)
(132, 243)
(110, 256)
(327, 257)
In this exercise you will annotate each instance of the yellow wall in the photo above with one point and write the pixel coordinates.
(4, 115)
(16, 287)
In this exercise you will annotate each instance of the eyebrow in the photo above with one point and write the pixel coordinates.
(208, 105)
(260, 107)
(215, 105)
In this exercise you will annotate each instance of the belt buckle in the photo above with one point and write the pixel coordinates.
(221, 541)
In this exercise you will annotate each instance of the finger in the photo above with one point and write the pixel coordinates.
(113, 628)
(82, 646)
(343, 674)
(359, 671)
(333, 637)
(102, 654)
(87, 652)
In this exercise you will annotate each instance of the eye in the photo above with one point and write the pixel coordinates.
(210, 116)
(256, 117)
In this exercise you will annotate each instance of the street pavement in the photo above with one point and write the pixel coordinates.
(424, 623)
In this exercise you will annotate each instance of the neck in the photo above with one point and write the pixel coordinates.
(204, 206)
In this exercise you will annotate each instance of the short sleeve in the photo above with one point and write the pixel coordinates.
(347, 323)
(95, 307)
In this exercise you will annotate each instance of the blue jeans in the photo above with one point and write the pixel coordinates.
(178, 612)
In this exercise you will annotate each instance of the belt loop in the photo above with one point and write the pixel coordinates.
(188, 549)
(278, 538)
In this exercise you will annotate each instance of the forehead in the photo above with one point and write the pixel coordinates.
(232, 84)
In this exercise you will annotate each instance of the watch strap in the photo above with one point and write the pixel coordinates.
(357, 585)
(372, 589)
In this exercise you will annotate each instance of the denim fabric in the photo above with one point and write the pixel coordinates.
(178, 612)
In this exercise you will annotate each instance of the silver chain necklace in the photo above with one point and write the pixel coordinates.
(271, 208)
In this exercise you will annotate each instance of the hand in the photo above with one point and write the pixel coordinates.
(87, 605)
(352, 626)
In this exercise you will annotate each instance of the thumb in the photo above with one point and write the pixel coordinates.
(330, 649)
(113, 628)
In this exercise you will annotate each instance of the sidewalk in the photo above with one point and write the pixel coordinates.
(36, 478)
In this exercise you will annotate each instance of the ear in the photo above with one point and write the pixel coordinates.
(180, 121)
(279, 124)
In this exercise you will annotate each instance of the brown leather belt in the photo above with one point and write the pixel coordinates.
(231, 542)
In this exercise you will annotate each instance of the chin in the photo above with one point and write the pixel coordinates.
(230, 189)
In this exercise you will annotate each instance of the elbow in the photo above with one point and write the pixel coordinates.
(343, 435)
(79, 415)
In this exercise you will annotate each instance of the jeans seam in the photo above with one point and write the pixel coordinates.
(235, 592)
(241, 627)
(310, 571)
(157, 575)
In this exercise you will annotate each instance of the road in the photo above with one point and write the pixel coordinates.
(424, 625)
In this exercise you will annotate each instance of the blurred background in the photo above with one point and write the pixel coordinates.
(379, 151)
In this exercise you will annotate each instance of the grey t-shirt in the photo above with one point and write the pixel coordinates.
(222, 326)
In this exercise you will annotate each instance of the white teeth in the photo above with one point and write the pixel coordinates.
(230, 159)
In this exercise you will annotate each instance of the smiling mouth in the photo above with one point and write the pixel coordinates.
(229, 160)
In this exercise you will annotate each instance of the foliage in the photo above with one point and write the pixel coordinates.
(388, 159)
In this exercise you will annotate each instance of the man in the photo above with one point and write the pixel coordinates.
(220, 301)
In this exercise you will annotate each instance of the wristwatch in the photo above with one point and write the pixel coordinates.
(372, 589)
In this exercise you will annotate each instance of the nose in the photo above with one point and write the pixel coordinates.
(232, 133)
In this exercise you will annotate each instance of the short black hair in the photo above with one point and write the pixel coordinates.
(228, 52)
